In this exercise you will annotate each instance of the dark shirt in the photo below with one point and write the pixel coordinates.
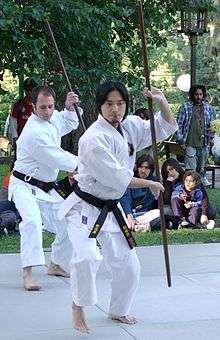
(21, 110)
(138, 199)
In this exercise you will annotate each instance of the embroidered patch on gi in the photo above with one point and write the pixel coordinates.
(84, 220)
(33, 192)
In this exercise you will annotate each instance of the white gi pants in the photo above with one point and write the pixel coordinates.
(30, 227)
(61, 248)
(120, 259)
(33, 212)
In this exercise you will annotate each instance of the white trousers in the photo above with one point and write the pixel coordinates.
(33, 213)
(61, 248)
(30, 227)
(120, 260)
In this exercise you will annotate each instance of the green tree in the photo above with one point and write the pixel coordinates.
(98, 39)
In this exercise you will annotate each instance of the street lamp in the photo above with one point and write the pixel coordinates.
(192, 25)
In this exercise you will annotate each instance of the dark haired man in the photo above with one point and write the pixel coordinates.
(39, 159)
(193, 133)
(106, 159)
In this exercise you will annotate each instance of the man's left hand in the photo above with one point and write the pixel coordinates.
(154, 93)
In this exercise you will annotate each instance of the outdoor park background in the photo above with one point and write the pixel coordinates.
(100, 40)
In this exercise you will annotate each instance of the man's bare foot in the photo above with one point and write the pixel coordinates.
(79, 319)
(128, 319)
(29, 284)
(56, 270)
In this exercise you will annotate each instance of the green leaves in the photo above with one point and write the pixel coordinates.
(97, 39)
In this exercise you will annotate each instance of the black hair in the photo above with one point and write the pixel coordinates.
(174, 164)
(29, 83)
(45, 90)
(141, 160)
(193, 90)
(105, 88)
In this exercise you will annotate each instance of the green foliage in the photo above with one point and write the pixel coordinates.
(195, 4)
(8, 97)
(98, 39)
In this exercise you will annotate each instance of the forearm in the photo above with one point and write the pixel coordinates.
(139, 183)
(165, 110)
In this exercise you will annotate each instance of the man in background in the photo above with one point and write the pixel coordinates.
(193, 133)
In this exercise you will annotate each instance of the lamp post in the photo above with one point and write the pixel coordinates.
(193, 24)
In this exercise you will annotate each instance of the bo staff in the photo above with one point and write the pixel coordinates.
(154, 143)
(65, 73)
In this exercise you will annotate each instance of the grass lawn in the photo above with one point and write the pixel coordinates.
(10, 244)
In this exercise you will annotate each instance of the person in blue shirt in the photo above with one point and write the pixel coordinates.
(137, 201)
(186, 201)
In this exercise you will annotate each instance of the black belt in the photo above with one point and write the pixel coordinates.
(45, 186)
(106, 206)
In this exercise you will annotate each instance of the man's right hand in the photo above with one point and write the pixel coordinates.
(71, 99)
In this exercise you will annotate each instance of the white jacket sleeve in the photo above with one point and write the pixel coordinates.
(53, 156)
(66, 121)
(141, 132)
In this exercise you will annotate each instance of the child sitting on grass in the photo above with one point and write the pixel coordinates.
(186, 201)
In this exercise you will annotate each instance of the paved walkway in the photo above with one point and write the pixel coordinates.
(188, 310)
(217, 178)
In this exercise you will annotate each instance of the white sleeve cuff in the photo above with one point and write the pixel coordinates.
(72, 115)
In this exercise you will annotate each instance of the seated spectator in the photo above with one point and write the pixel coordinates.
(172, 174)
(186, 201)
(137, 202)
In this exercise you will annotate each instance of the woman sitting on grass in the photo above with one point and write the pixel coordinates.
(172, 174)
(139, 205)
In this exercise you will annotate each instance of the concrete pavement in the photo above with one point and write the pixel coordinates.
(188, 310)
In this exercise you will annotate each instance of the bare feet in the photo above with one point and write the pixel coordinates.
(29, 284)
(79, 319)
(56, 270)
(128, 319)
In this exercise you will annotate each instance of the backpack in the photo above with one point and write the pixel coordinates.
(8, 222)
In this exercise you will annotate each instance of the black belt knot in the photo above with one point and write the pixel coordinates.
(106, 206)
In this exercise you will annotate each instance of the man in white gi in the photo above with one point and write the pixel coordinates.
(105, 169)
(39, 159)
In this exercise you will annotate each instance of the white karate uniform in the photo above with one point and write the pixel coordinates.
(105, 170)
(39, 155)
(61, 248)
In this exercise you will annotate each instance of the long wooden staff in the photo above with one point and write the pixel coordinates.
(65, 73)
(154, 143)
